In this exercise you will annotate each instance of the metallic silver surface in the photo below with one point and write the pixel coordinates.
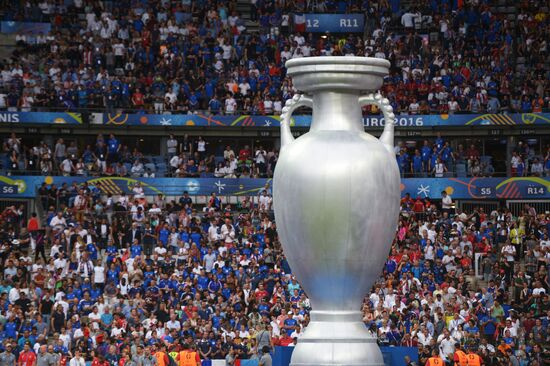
(336, 200)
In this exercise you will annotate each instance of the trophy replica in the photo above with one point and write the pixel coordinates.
(336, 199)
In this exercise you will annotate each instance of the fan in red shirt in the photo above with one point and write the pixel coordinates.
(33, 224)
(27, 357)
(63, 360)
(396, 255)
(414, 253)
(466, 262)
(483, 246)
(285, 340)
(100, 361)
(244, 154)
(137, 99)
(260, 292)
(274, 70)
(418, 206)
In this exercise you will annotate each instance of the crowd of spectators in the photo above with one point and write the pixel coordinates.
(439, 159)
(116, 280)
(107, 156)
(145, 56)
(193, 156)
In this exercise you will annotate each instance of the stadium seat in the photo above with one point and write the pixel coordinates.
(461, 170)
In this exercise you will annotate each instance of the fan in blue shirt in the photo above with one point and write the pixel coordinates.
(113, 145)
(202, 282)
(111, 253)
(163, 235)
(92, 250)
(136, 250)
(112, 275)
(391, 265)
(290, 323)
(417, 163)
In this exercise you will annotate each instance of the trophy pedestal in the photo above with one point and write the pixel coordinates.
(337, 338)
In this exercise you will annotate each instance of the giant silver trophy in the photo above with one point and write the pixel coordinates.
(336, 200)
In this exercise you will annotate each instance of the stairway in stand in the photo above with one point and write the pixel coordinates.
(244, 7)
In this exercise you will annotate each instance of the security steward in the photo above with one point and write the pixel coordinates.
(188, 357)
(460, 358)
(474, 359)
(435, 360)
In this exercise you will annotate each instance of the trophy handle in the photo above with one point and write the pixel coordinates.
(389, 117)
(298, 100)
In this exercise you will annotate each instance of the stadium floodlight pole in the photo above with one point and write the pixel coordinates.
(336, 200)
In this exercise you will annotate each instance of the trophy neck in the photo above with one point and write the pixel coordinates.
(337, 111)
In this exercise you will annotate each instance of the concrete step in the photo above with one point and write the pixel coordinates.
(7, 45)
(7, 39)
(6, 52)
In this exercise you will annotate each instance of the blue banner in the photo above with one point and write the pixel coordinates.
(458, 188)
(42, 118)
(202, 120)
(335, 23)
(440, 120)
(25, 27)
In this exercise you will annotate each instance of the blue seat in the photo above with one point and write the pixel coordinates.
(4, 160)
(159, 159)
(461, 170)
(485, 159)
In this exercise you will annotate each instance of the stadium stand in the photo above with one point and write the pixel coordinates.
(192, 156)
(124, 278)
(447, 57)
(105, 279)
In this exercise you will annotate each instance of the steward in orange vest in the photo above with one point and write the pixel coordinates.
(435, 360)
(460, 358)
(188, 357)
(161, 356)
(474, 359)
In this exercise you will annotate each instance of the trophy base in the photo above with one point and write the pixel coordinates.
(337, 338)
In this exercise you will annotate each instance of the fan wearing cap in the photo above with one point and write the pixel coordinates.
(7, 357)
